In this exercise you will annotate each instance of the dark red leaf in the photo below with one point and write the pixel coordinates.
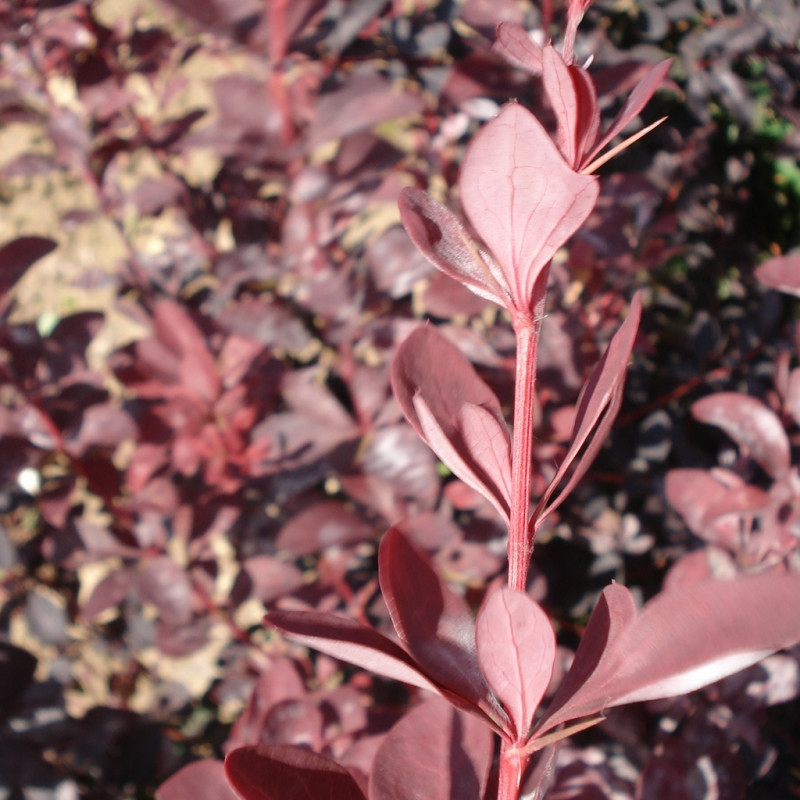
(455, 412)
(283, 772)
(561, 91)
(442, 239)
(753, 426)
(435, 752)
(522, 198)
(20, 254)
(326, 524)
(515, 44)
(271, 578)
(691, 492)
(516, 651)
(434, 624)
(685, 638)
(635, 103)
(614, 612)
(197, 370)
(104, 425)
(164, 584)
(598, 404)
(793, 395)
(364, 101)
(349, 640)
(202, 780)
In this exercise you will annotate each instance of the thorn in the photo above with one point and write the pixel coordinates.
(598, 162)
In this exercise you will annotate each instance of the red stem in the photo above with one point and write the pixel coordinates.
(512, 766)
(526, 329)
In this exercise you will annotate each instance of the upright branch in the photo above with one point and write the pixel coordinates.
(520, 545)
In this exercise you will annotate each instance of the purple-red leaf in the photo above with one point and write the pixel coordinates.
(166, 585)
(514, 43)
(284, 772)
(522, 198)
(433, 623)
(197, 370)
(685, 638)
(455, 412)
(598, 404)
(201, 780)
(781, 273)
(516, 651)
(751, 425)
(325, 524)
(441, 238)
(349, 640)
(20, 254)
(635, 103)
(574, 100)
(691, 492)
(614, 612)
(435, 752)
(365, 100)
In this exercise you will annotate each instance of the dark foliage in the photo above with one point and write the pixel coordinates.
(203, 283)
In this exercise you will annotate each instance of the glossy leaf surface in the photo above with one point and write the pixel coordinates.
(522, 198)
(349, 640)
(516, 650)
(455, 412)
(435, 752)
(685, 638)
(284, 772)
(436, 625)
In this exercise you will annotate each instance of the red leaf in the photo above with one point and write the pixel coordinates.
(688, 638)
(572, 95)
(105, 426)
(434, 624)
(781, 273)
(588, 120)
(322, 525)
(514, 43)
(614, 612)
(752, 425)
(270, 578)
(683, 639)
(197, 370)
(202, 780)
(19, 255)
(522, 198)
(455, 412)
(365, 100)
(516, 650)
(283, 772)
(434, 752)
(348, 640)
(691, 492)
(164, 584)
(598, 404)
(441, 238)
(635, 103)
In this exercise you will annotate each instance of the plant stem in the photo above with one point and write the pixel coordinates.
(512, 765)
(526, 329)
